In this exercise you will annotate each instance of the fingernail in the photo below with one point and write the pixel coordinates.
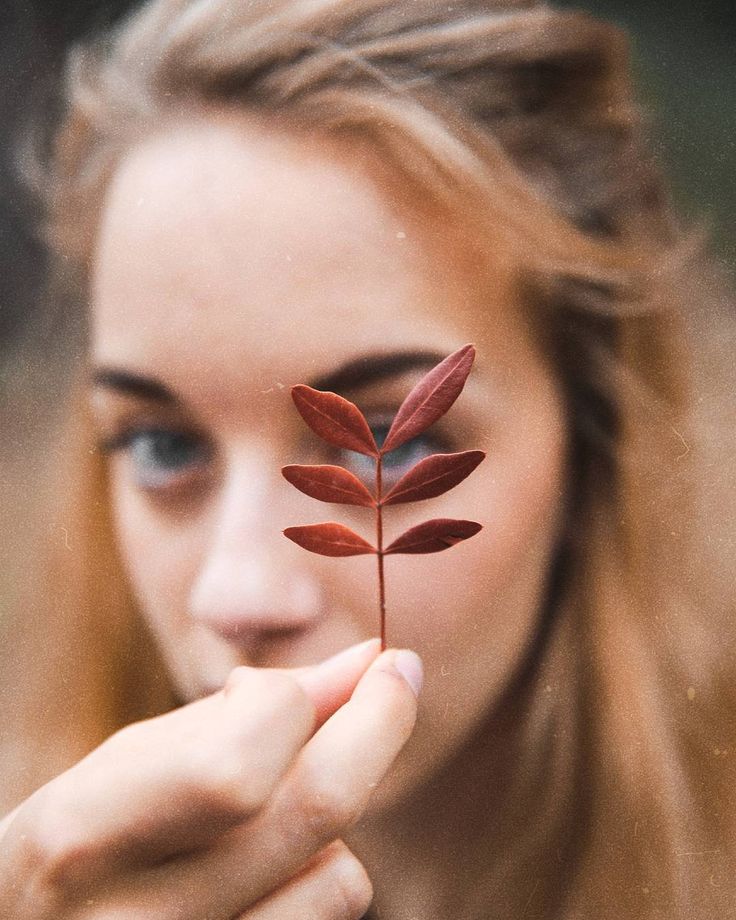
(409, 665)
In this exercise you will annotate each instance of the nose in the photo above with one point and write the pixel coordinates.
(244, 591)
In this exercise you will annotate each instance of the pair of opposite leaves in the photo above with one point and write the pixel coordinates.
(342, 424)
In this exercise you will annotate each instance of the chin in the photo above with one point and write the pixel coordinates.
(409, 776)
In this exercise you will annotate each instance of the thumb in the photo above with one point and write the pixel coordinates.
(330, 684)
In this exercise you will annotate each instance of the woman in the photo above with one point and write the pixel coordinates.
(339, 193)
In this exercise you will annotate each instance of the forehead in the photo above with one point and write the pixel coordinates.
(220, 238)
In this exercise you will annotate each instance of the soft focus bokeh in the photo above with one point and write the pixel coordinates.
(685, 67)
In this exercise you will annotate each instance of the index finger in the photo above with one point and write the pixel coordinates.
(178, 781)
(326, 789)
(332, 780)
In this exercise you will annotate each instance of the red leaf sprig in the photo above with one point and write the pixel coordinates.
(341, 423)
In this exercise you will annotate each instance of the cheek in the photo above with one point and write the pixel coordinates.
(472, 610)
(517, 495)
(159, 557)
(486, 589)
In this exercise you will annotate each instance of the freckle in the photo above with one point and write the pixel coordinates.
(691, 693)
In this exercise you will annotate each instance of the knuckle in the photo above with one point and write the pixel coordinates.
(135, 739)
(285, 694)
(211, 776)
(235, 775)
(224, 784)
(271, 691)
(235, 679)
(56, 854)
(352, 889)
(328, 806)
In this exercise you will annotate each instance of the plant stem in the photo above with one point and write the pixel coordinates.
(379, 545)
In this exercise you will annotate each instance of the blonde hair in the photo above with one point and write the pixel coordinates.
(521, 118)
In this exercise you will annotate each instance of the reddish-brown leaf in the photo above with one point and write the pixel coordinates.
(433, 536)
(335, 419)
(329, 484)
(433, 476)
(329, 539)
(430, 398)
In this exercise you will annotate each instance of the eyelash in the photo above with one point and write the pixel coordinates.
(397, 462)
(158, 475)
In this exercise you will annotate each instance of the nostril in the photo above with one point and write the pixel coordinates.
(246, 631)
(242, 611)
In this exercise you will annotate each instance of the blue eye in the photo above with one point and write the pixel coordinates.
(396, 463)
(161, 457)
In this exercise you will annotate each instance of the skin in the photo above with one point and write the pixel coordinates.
(233, 261)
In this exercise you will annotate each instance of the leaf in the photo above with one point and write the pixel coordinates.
(433, 476)
(433, 536)
(329, 484)
(335, 419)
(430, 398)
(329, 539)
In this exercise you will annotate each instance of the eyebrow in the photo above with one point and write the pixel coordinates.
(352, 375)
(371, 368)
(132, 384)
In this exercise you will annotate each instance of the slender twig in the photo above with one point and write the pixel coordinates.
(342, 424)
(379, 550)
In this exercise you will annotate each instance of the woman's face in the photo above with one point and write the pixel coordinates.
(234, 261)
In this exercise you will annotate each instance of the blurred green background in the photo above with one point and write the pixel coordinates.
(684, 62)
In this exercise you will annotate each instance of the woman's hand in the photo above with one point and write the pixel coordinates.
(230, 807)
